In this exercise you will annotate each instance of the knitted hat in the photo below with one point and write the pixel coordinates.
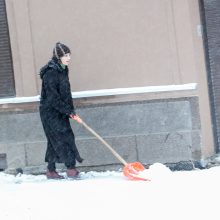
(60, 50)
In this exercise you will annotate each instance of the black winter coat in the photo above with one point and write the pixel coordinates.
(55, 107)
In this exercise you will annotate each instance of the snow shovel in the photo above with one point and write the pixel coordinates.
(131, 170)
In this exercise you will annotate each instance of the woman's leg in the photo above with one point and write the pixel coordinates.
(51, 166)
(71, 172)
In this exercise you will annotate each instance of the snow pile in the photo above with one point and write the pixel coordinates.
(156, 172)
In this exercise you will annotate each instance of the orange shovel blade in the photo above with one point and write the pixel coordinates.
(133, 170)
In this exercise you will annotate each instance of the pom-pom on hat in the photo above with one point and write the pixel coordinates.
(60, 50)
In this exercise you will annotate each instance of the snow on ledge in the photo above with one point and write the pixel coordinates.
(134, 90)
(109, 92)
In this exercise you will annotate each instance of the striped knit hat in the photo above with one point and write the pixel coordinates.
(60, 50)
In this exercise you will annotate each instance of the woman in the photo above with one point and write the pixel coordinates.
(56, 108)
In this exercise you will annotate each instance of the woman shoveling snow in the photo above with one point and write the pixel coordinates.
(56, 107)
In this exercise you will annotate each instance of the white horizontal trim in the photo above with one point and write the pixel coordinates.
(109, 92)
(134, 90)
(20, 99)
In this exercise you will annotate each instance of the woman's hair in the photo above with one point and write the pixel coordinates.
(60, 50)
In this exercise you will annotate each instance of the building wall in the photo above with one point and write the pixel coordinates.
(164, 130)
(112, 42)
(115, 44)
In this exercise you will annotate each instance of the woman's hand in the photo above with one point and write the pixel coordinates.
(76, 118)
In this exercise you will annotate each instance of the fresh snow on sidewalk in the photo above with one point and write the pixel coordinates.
(109, 195)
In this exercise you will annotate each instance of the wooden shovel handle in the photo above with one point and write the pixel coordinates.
(103, 141)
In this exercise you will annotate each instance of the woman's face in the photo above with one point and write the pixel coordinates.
(65, 59)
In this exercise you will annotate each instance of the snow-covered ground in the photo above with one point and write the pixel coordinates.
(109, 195)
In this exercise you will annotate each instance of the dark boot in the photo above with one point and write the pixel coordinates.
(53, 175)
(72, 173)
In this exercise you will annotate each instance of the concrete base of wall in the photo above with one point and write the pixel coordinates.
(165, 131)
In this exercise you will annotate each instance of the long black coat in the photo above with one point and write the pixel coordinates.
(55, 107)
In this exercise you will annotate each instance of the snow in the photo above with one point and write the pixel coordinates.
(134, 90)
(109, 195)
(109, 92)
